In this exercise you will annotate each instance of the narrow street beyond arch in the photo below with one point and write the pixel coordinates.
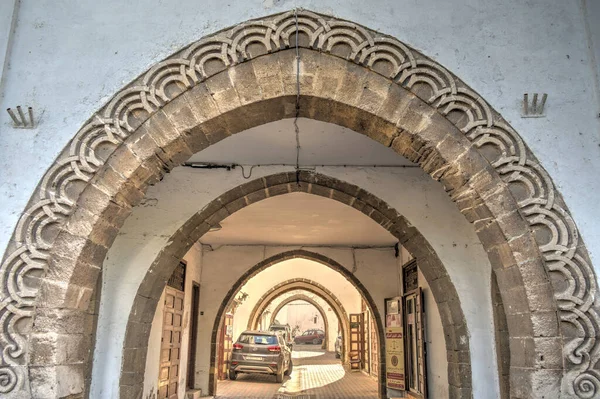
(317, 375)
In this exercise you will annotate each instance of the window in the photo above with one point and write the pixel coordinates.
(258, 339)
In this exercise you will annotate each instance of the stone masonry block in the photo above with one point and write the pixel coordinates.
(545, 324)
(245, 82)
(515, 301)
(223, 92)
(268, 77)
(57, 381)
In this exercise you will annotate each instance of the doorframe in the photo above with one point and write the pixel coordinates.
(193, 336)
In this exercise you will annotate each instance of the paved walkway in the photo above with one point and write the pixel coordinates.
(317, 375)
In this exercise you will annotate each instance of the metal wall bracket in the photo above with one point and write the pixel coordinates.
(534, 109)
(20, 121)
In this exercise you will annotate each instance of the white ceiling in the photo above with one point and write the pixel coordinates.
(321, 144)
(299, 219)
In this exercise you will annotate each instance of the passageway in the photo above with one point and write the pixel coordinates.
(317, 374)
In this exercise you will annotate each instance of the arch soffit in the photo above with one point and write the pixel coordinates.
(502, 217)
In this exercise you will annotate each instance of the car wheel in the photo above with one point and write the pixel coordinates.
(290, 367)
(337, 355)
(279, 376)
(232, 375)
(316, 341)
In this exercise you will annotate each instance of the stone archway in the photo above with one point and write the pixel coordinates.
(243, 77)
(281, 288)
(306, 285)
(305, 298)
(291, 285)
(140, 319)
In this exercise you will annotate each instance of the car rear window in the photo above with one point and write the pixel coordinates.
(258, 339)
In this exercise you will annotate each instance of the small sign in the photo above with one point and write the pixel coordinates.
(410, 275)
(394, 353)
(392, 306)
(394, 345)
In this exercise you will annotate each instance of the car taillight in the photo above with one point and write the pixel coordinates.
(275, 348)
(237, 347)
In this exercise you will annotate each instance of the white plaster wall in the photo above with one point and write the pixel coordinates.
(193, 273)
(185, 190)
(302, 314)
(437, 377)
(69, 56)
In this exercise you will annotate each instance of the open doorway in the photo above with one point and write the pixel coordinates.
(316, 314)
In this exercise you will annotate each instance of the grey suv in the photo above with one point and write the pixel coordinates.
(261, 352)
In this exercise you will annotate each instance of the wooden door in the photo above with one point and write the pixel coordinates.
(374, 349)
(170, 352)
(356, 341)
(225, 345)
(422, 345)
(366, 357)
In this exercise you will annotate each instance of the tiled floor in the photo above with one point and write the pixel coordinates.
(317, 375)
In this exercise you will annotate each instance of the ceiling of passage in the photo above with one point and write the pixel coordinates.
(299, 219)
(321, 144)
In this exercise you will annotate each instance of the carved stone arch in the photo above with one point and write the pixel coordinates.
(366, 81)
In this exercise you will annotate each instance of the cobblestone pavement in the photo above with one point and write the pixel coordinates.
(316, 375)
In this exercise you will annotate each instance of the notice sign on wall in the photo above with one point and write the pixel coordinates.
(394, 346)
(394, 354)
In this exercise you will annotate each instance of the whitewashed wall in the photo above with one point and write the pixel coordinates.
(437, 377)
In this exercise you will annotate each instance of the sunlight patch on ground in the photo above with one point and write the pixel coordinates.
(320, 375)
(299, 354)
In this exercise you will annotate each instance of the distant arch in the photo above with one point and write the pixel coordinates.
(306, 285)
(322, 312)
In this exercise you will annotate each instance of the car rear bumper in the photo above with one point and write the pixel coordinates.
(261, 368)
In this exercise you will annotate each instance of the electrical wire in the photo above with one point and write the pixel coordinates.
(296, 128)
(249, 174)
